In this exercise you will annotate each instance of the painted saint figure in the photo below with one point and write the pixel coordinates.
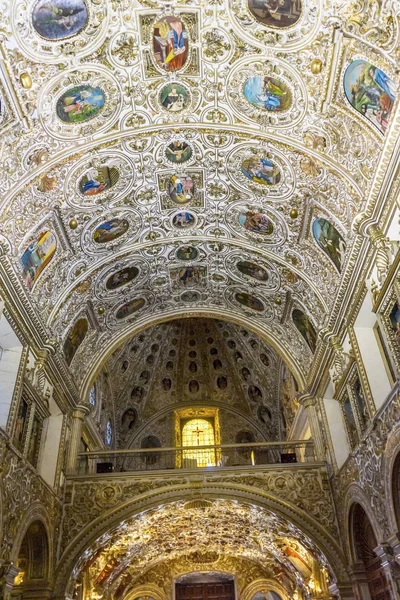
(183, 220)
(174, 97)
(178, 151)
(170, 43)
(256, 222)
(80, 104)
(261, 170)
(306, 328)
(181, 188)
(59, 19)
(252, 270)
(96, 180)
(110, 230)
(329, 239)
(37, 256)
(276, 13)
(370, 91)
(268, 93)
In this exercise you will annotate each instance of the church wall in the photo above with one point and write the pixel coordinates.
(337, 430)
(371, 356)
(10, 357)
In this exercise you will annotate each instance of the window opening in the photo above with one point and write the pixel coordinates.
(199, 432)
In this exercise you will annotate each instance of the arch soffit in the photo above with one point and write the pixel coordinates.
(392, 452)
(148, 589)
(36, 512)
(120, 136)
(131, 248)
(354, 496)
(241, 493)
(120, 337)
(263, 585)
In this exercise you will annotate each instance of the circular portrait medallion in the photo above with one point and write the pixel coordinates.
(174, 97)
(178, 152)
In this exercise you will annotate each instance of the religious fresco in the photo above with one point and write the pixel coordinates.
(74, 338)
(256, 222)
(178, 152)
(276, 13)
(249, 301)
(97, 180)
(187, 253)
(252, 270)
(370, 91)
(188, 276)
(37, 256)
(170, 43)
(267, 93)
(174, 97)
(329, 239)
(59, 19)
(261, 170)
(181, 188)
(121, 278)
(129, 308)
(110, 230)
(394, 317)
(306, 328)
(183, 220)
(80, 104)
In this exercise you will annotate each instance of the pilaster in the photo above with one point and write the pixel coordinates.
(78, 419)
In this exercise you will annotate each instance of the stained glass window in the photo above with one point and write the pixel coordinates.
(199, 432)
(108, 433)
(92, 396)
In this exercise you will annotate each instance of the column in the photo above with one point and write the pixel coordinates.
(78, 419)
(360, 583)
(342, 591)
(8, 572)
(390, 566)
(310, 406)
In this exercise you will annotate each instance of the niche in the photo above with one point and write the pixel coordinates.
(222, 382)
(128, 419)
(194, 386)
(255, 393)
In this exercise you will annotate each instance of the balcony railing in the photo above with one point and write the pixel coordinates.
(195, 457)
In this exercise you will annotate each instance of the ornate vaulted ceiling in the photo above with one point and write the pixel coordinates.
(163, 159)
(222, 535)
(201, 362)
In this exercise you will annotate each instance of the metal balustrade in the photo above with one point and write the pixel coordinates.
(196, 457)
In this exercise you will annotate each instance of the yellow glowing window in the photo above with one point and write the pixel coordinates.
(198, 432)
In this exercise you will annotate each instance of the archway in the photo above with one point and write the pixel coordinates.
(367, 561)
(183, 536)
(32, 580)
(396, 488)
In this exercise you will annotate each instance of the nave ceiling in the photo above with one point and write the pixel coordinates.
(223, 178)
